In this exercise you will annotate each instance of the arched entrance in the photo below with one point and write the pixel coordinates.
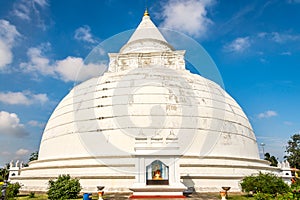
(157, 173)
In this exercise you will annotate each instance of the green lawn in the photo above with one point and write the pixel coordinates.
(42, 197)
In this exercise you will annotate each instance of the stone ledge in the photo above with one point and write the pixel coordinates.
(76, 166)
(80, 177)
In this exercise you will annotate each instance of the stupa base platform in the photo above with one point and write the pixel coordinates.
(157, 192)
(156, 197)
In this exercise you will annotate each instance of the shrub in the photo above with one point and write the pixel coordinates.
(12, 190)
(263, 196)
(287, 196)
(265, 183)
(296, 184)
(295, 187)
(64, 187)
(31, 195)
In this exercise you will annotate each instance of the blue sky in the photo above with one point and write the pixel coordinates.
(255, 45)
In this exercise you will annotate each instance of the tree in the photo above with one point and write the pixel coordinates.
(64, 187)
(34, 156)
(4, 172)
(273, 161)
(293, 151)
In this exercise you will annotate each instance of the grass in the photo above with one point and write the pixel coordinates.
(36, 196)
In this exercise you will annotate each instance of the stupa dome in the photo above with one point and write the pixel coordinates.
(146, 109)
(153, 99)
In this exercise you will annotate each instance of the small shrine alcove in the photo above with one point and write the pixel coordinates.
(157, 173)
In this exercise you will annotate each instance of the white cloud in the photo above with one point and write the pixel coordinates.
(8, 32)
(41, 3)
(189, 16)
(267, 114)
(5, 153)
(27, 9)
(286, 53)
(101, 51)
(32, 11)
(10, 124)
(279, 37)
(22, 11)
(84, 34)
(262, 34)
(293, 1)
(74, 69)
(35, 123)
(14, 98)
(41, 98)
(263, 60)
(68, 69)
(8, 35)
(238, 45)
(6, 56)
(38, 62)
(22, 98)
(288, 123)
(22, 152)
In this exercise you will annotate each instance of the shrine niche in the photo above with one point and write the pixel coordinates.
(157, 173)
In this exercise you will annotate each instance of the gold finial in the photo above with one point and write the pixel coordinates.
(146, 12)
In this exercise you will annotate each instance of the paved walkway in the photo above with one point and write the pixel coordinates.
(196, 196)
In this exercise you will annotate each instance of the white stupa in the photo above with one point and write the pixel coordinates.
(147, 124)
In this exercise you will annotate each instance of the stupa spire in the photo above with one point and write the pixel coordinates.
(146, 30)
(146, 38)
(146, 13)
